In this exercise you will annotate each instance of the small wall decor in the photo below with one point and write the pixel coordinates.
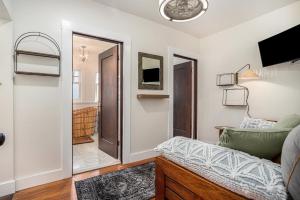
(37, 62)
(227, 79)
(235, 96)
(150, 71)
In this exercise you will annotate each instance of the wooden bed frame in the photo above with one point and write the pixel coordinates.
(174, 182)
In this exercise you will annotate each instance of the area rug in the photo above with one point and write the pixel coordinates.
(137, 183)
(82, 140)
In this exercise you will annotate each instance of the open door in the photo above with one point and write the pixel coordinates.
(182, 110)
(108, 104)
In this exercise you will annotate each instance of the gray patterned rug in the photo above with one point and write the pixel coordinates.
(137, 183)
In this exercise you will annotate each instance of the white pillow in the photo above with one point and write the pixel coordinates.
(256, 123)
(266, 124)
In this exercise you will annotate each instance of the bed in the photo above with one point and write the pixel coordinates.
(190, 169)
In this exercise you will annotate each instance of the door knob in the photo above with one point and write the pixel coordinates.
(2, 139)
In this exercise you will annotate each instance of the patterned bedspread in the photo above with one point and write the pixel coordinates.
(237, 171)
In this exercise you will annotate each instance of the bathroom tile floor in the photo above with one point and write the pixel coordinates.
(88, 157)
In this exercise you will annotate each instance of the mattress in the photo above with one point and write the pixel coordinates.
(236, 171)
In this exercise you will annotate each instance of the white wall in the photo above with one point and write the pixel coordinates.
(37, 105)
(7, 183)
(276, 94)
(2, 21)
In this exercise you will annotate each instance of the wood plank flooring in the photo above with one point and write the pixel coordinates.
(65, 189)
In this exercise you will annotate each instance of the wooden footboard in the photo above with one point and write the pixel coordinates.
(174, 182)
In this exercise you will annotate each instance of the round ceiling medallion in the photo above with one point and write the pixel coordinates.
(182, 10)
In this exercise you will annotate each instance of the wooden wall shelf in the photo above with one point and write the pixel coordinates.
(37, 74)
(32, 53)
(152, 96)
(232, 105)
(25, 69)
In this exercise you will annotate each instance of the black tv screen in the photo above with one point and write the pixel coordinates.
(151, 75)
(281, 48)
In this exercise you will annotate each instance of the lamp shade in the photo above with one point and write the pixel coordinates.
(248, 74)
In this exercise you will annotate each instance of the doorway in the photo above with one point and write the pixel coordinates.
(184, 96)
(97, 103)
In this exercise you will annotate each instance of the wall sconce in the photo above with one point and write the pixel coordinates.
(246, 73)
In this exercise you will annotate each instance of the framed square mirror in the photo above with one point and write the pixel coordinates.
(150, 71)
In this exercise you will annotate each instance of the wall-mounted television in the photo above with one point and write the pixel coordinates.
(283, 47)
(151, 75)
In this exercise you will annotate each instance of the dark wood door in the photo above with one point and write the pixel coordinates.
(108, 111)
(182, 105)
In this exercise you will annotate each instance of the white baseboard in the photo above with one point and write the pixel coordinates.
(142, 155)
(39, 179)
(7, 188)
(25, 182)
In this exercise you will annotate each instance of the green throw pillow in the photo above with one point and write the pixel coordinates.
(262, 143)
(290, 121)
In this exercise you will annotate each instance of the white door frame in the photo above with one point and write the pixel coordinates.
(171, 52)
(66, 88)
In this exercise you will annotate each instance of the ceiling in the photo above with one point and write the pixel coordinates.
(3, 11)
(93, 47)
(221, 14)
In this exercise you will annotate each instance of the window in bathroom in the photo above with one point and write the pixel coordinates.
(76, 85)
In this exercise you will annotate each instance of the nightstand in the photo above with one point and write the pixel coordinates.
(221, 129)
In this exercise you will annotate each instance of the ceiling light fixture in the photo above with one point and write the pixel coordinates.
(182, 10)
(83, 55)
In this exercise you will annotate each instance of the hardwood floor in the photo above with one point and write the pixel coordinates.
(65, 189)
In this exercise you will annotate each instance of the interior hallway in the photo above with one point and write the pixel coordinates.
(88, 157)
